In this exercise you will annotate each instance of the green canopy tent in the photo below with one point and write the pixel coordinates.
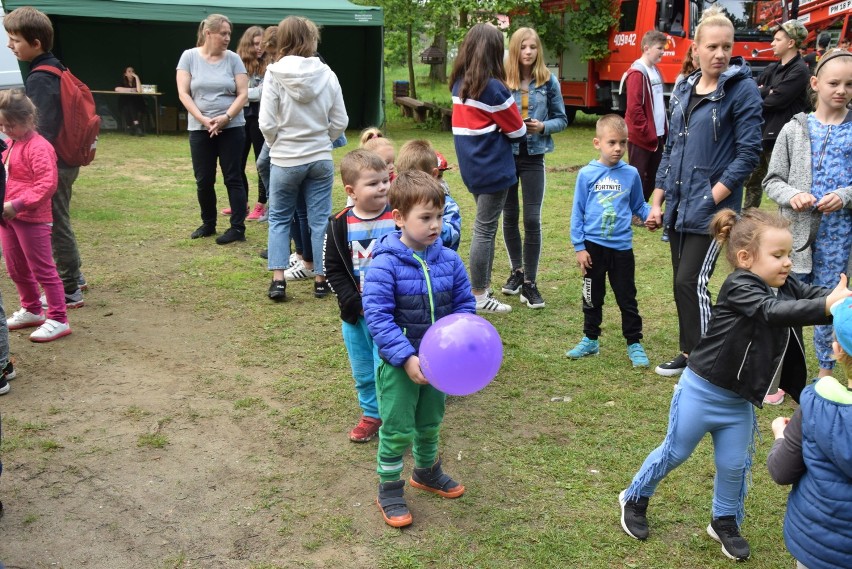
(97, 39)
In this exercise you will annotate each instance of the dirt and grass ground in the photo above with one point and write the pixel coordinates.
(188, 422)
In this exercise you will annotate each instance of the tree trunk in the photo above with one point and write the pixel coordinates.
(411, 84)
(438, 71)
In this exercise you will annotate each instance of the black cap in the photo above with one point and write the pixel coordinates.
(824, 39)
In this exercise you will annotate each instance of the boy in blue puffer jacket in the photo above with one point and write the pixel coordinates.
(413, 281)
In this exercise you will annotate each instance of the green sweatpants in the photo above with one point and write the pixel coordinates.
(411, 416)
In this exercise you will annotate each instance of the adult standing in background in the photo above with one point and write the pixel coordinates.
(539, 99)
(822, 45)
(212, 84)
(301, 113)
(720, 107)
(784, 88)
(486, 122)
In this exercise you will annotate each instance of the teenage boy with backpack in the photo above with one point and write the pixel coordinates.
(31, 39)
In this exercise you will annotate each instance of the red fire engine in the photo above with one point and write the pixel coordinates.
(593, 86)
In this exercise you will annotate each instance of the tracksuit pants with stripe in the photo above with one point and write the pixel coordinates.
(693, 260)
(411, 417)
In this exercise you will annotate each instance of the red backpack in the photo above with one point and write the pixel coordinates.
(77, 140)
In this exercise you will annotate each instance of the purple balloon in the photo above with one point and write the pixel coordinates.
(460, 354)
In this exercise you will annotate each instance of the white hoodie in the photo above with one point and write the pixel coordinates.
(301, 111)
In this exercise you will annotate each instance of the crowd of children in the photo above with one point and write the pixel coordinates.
(390, 259)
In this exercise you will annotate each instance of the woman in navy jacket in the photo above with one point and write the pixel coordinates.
(713, 145)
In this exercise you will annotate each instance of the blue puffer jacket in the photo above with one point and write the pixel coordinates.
(719, 141)
(818, 525)
(404, 293)
(544, 104)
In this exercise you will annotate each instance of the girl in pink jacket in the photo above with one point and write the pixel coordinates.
(25, 230)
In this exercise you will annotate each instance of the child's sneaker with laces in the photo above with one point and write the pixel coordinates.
(392, 504)
(637, 355)
(724, 529)
(634, 520)
(586, 347)
(365, 430)
(299, 272)
(49, 331)
(434, 479)
(23, 318)
(490, 304)
(775, 398)
(7, 374)
(513, 284)
(530, 296)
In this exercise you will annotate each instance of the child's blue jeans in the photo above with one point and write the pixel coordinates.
(699, 407)
(364, 359)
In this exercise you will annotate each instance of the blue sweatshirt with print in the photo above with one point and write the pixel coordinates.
(605, 200)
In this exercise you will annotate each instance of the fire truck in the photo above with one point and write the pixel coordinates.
(594, 86)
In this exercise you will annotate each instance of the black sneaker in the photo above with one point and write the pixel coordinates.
(9, 371)
(278, 291)
(230, 236)
(203, 231)
(633, 519)
(264, 254)
(673, 367)
(725, 530)
(513, 285)
(7, 374)
(530, 296)
(321, 289)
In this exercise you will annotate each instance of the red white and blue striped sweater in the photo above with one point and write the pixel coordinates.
(483, 131)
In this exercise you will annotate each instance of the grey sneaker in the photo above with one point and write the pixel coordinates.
(73, 300)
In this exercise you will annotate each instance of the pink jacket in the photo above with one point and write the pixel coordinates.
(31, 177)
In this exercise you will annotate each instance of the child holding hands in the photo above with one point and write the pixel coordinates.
(813, 452)
(413, 281)
(752, 346)
(810, 178)
(31, 174)
(349, 243)
(607, 195)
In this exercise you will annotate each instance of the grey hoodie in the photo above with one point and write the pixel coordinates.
(301, 111)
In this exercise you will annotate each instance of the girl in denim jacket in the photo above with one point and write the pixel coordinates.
(539, 100)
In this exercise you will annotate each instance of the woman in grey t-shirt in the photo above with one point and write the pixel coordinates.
(213, 86)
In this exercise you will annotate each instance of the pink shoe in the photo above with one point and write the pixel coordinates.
(256, 213)
(775, 399)
(226, 211)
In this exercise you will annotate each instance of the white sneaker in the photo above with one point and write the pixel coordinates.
(294, 260)
(23, 318)
(299, 272)
(491, 304)
(49, 331)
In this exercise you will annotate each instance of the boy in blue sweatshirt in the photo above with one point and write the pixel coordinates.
(607, 195)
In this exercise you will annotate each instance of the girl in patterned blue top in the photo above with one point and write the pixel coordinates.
(816, 194)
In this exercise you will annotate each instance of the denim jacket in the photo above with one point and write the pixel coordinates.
(545, 105)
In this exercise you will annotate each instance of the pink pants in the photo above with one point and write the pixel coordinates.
(29, 260)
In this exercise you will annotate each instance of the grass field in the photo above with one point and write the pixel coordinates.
(543, 451)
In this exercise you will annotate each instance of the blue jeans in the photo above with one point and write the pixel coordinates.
(699, 407)
(301, 237)
(532, 181)
(226, 148)
(314, 181)
(364, 359)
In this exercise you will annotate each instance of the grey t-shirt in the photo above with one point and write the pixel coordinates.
(213, 86)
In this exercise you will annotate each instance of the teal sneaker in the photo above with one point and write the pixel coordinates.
(586, 347)
(637, 355)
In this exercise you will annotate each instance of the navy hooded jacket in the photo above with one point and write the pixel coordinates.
(719, 141)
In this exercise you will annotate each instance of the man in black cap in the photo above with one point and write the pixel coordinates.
(822, 44)
(784, 88)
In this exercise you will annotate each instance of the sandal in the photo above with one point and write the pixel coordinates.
(392, 504)
(436, 480)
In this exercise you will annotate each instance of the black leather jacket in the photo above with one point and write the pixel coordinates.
(753, 332)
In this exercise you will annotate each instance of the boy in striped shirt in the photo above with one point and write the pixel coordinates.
(349, 241)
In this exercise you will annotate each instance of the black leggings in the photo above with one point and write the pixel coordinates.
(693, 261)
(254, 139)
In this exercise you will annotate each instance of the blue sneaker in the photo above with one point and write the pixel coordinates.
(586, 347)
(637, 355)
